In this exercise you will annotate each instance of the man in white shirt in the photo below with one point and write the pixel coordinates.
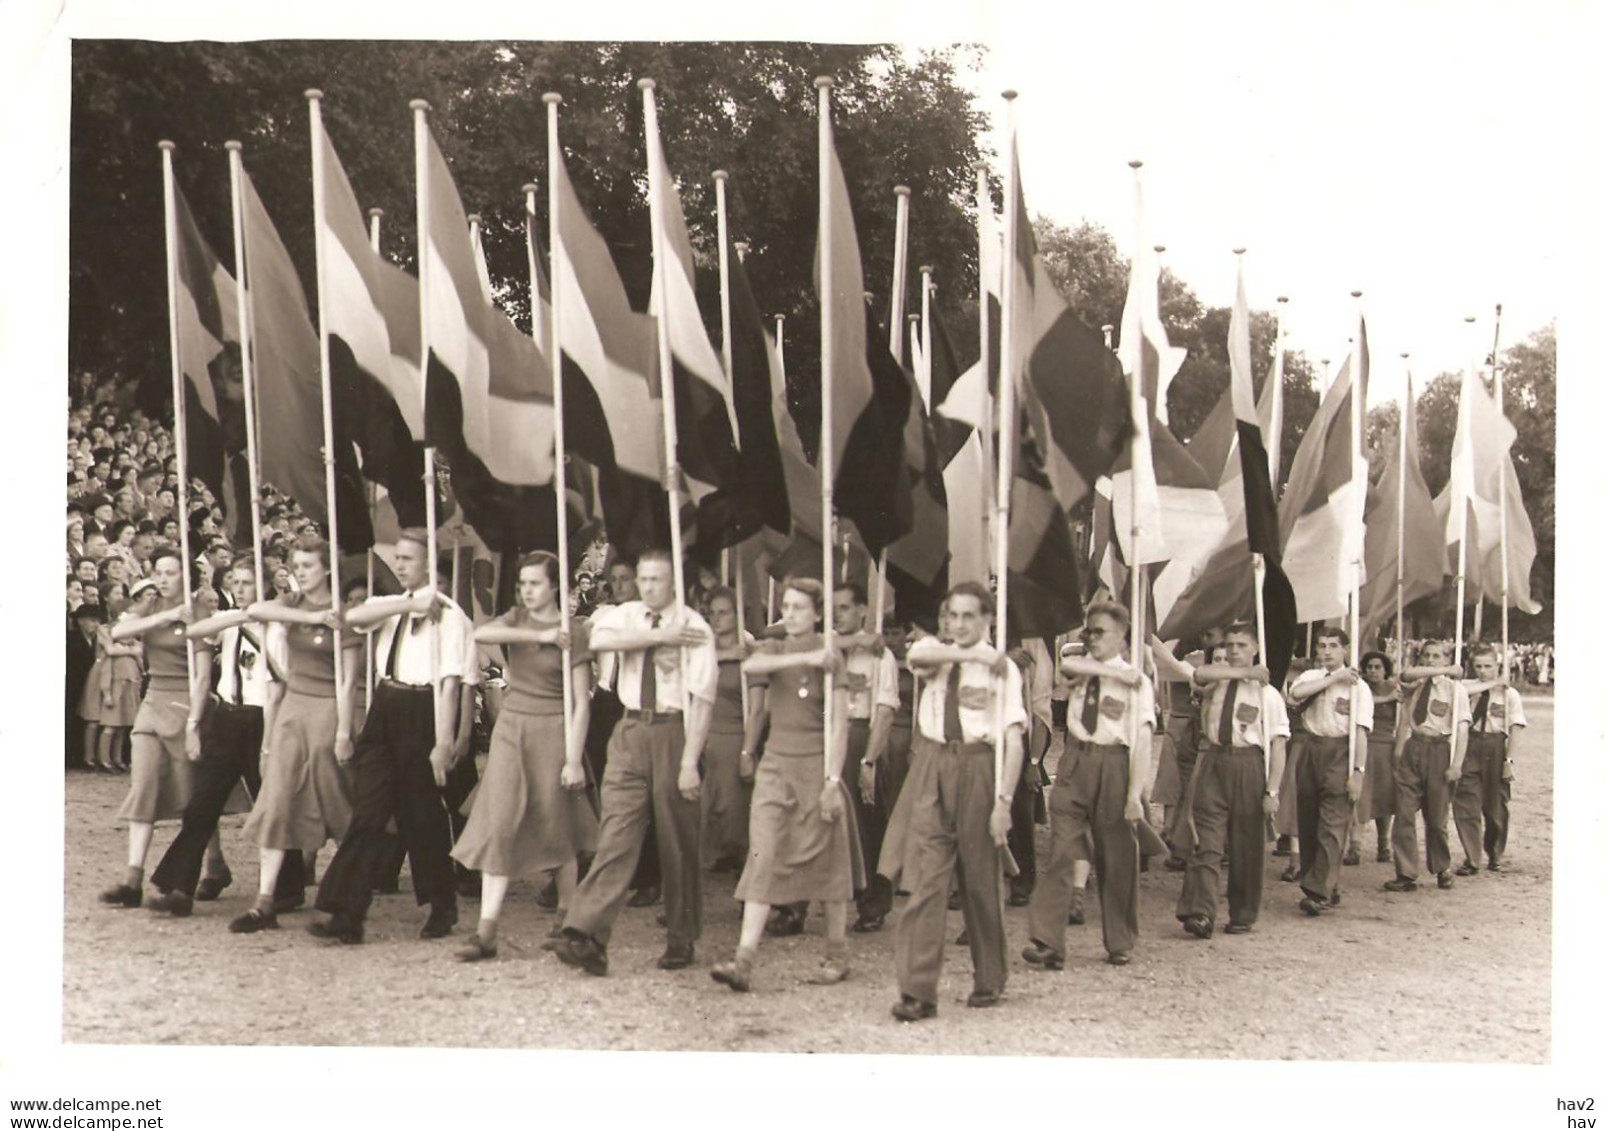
(1483, 793)
(1329, 778)
(1425, 773)
(667, 679)
(231, 747)
(407, 747)
(1109, 719)
(961, 816)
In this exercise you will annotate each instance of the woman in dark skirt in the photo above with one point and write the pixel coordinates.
(530, 815)
(166, 732)
(802, 836)
(1376, 796)
(306, 785)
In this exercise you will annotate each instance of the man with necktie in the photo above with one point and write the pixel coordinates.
(1328, 782)
(231, 747)
(667, 679)
(959, 806)
(1483, 794)
(1098, 788)
(1425, 773)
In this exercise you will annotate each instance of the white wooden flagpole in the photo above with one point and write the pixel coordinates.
(1407, 406)
(374, 216)
(1465, 532)
(1504, 519)
(727, 356)
(1357, 397)
(420, 121)
(180, 434)
(827, 379)
(247, 363)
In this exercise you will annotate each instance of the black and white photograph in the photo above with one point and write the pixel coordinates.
(886, 558)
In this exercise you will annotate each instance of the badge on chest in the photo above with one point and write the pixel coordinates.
(1341, 706)
(974, 698)
(1112, 707)
(1438, 708)
(1246, 713)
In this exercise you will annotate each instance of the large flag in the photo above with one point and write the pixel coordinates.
(289, 387)
(706, 425)
(208, 354)
(958, 440)
(1070, 384)
(371, 307)
(1044, 593)
(1317, 512)
(869, 403)
(1259, 495)
(1425, 559)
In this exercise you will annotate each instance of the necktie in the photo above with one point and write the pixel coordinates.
(1224, 735)
(649, 673)
(1089, 707)
(952, 727)
(396, 638)
(239, 672)
(1479, 717)
(1423, 701)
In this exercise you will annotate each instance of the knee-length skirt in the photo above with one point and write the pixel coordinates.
(726, 799)
(795, 854)
(521, 821)
(306, 794)
(89, 702)
(161, 776)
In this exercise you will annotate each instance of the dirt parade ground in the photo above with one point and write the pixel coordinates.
(1462, 975)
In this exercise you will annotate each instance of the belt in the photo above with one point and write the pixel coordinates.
(1101, 747)
(650, 717)
(397, 685)
(965, 747)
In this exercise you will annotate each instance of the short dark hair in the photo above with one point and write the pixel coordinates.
(546, 561)
(719, 592)
(1387, 664)
(1113, 611)
(856, 588)
(1332, 632)
(312, 544)
(654, 554)
(813, 590)
(973, 589)
(1481, 649)
(1242, 628)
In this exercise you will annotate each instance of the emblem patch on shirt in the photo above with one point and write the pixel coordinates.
(974, 698)
(247, 660)
(1111, 707)
(1341, 706)
(857, 681)
(1497, 710)
(1439, 708)
(1246, 713)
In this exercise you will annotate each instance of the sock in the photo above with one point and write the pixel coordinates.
(746, 959)
(487, 932)
(836, 951)
(134, 877)
(264, 903)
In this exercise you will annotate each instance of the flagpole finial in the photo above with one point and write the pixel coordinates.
(935, 287)
(166, 146)
(233, 146)
(824, 82)
(913, 318)
(1134, 164)
(1499, 309)
(1010, 95)
(1470, 318)
(927, 269)
(1355, 294)
(527, 188)
(1159, 249)
(780, 318)
(552, 98)
(1235, 250)
(1405, 355)
(719, 176)
(1282, 299)
(376, 211)
(473, 217)
(419, 104)
(1107, 328)
(980, 166)
(902, 190)
(313, 94)
(742, 247)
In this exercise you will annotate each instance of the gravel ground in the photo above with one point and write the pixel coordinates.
(1387, 977)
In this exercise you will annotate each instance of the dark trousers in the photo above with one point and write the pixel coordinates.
(949, 829)
(1324, 810)
(1023, 831)
(1182, 730)
(891, 770)
(460, 782)
(392, 779)
(1089, 795)
(1482, 799)
(871, 819)
(1418, 783)
(643, 771)
(231, 746)
(1229, 814)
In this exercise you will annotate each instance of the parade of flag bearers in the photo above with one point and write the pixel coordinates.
(934, 592)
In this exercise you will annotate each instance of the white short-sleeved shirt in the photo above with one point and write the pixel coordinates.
(1447, 707)
(1248, 728)
(1504, 711)
(607, 663)
(1326, 713)
(242, 662)
(702, 660)
(977, 707)
(862, 667)
(1116, 702)
(451, 638)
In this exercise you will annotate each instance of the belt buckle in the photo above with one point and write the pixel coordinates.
(647, 715)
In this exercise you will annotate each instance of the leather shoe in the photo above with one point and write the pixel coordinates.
(1239, 928)
(1019, 899)
(868, 924)
(174, 903)
(337, 929)
(253, 921)
(1493, 863)
(913, 1009)
(1078, 908)
(963, 939)
(1119, 958)
(584, 953)
(1335, 898)
(1384, 855)
(1038, 955)
(123, 895)
(1290, 874)
(1175, 864)
(211, 887)
(983, 999)
(1445, 881)
(645, 897)
(546, 898)
(1399, 883)
(1351, 858)
(284, 904)
(678, 957)
(473, 950)
(1198, 926)
(1467, 869)
(439, 923)
(729, 974)
(1311, 906)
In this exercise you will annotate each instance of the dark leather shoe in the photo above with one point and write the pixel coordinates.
(284, 904)
(1290, 874)
(1119, 958)
(123, 895)
(1175, 864)
(1199, 926)
(869, 924)
(1351, 858)
(337, 929)
(983, 999)
(678, 957)
(253, 921)
(1384, 855)
(583, 953)
(1467, 869)
(473, 950)
(211, 887)
(913, 1009)
(963, 939)
(439, 923)
(1284, 846)
(1038, 955)
(174, 903)
(645, 897)
(1399, 883)
(729, 974)
(1078, 908)
(1493, 863)
(1335, 898)
(1239, 928)
(1445, 881)
(1019, 899)
(1311, 906)
(546, 898)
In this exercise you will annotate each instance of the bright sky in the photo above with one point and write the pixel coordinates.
(1417, 152)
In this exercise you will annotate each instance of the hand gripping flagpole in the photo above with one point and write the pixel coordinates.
(374, 216)
(727, 356)
(827, 381)
(247, 365)
(420, 122)
(180, 433)
(320, 256)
